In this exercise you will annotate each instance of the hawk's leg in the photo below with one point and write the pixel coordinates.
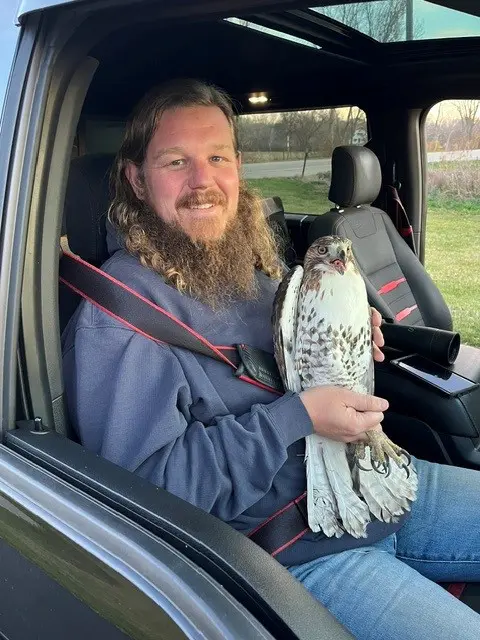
(382, 450)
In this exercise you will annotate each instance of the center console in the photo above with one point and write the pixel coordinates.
(434, 416)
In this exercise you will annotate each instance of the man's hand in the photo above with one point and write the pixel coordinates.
(377, 336)
(341, 414)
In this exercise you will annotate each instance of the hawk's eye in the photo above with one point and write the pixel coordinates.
(322, 250)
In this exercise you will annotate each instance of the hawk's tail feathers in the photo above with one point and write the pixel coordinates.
(321, 503)
(353, 511)
(390, 496)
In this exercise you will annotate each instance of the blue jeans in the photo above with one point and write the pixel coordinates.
(387, 590)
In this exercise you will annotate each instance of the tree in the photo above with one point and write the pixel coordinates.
(384, 21)
(288, 122)
(355, 118)
(304, 125)
(468, 112)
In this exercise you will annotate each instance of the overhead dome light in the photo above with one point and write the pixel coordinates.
(258, 98)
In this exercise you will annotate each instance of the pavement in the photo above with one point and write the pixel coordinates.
(293, 168)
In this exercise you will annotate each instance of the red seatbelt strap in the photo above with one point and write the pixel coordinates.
(399, 217)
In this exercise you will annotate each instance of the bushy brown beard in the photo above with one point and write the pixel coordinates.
(215, 272)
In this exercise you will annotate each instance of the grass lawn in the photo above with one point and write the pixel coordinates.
(452, 253)
(452, 257)
(297, 196)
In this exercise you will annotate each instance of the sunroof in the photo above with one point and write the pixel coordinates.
(272, 32)
(398, 20)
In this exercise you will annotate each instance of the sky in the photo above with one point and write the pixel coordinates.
(439, 22)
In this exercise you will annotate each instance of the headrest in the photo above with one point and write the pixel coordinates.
(272, 206)
(356, 176)
(86, 205)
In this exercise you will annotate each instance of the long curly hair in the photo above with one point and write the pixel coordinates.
(133, 218)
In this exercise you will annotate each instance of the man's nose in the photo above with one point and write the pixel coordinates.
(201, 174)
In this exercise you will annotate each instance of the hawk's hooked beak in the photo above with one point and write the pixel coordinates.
(339, 265)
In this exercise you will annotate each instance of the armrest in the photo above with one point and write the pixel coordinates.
(455, 416)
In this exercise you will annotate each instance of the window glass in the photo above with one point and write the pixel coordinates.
(452, 239)
(397, 20)
(289, 154)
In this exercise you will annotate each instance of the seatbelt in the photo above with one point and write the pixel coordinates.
(143, 316)
(254, 366)
(398, 215)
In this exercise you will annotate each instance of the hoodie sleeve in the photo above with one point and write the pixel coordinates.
(128, 398)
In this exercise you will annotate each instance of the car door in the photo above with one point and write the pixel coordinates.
(86, 548)
(73, 568)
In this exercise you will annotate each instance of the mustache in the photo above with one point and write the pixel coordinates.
(194, 199)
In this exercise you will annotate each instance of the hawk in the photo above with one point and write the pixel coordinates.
(323, 336)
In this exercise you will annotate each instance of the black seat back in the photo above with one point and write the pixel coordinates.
(84, 219)
(275, 214)
(397, 282)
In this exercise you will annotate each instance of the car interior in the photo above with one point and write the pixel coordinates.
(103, 59)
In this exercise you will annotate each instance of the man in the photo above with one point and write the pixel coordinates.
(191, 238)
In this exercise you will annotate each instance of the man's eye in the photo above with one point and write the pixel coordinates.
(177, 163)
(217, 158)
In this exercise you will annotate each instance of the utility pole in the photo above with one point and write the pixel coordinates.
(409, 20)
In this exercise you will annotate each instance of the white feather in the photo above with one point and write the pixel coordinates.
(353, 512)
(323, 514)
(288, 327)
(386, 497)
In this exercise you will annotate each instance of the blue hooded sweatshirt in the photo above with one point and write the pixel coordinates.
(183, 420)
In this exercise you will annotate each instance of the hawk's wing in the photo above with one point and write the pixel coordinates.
(285, 320)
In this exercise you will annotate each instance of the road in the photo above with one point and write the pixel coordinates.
(292, 168)
(285, 168)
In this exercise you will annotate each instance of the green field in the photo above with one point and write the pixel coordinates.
(452, 254)
(298, 196)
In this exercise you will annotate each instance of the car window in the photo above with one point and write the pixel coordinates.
(452, 141)
(289, 154)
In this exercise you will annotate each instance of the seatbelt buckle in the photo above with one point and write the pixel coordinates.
(258, 365)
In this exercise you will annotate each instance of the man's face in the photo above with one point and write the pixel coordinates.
(190, 176)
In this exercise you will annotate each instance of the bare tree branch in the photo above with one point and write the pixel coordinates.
(383, 20)
(468, 111)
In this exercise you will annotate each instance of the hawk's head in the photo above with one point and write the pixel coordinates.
(330, 254)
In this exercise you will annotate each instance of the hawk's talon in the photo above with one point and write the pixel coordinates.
(407, 456)
(359, 466)
(383, 451)
(382, 466)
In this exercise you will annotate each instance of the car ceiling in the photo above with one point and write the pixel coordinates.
(350, 68)
(29, 6)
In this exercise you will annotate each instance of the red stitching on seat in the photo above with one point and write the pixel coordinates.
(405, 312)
(390, 286)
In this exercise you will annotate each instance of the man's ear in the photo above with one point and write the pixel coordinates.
(133, 176)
